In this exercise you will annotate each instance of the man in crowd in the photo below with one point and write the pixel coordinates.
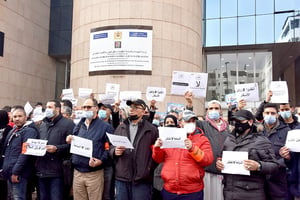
(88, 180)
(18, 167)
(49, 168)
(134, 167)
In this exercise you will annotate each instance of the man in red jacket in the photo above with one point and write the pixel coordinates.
(183, 169)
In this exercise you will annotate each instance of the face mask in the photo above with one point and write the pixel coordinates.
(133, 117)
(49, 113)
(285, 114)
(240, 128)
(89, 114)
(102, 114)
(269, 119)
(214, 115)
(155, 122)
(190, 127)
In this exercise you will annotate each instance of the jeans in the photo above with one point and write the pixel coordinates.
(133, 191)
(17, 191)
(51, 188)
(109, 183)
(191, 196)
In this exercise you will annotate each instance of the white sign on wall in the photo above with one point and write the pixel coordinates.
(121, 49)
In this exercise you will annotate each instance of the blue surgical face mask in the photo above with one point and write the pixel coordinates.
(49, 113)
(89, 114)
(102, 114)
(214, 115)
(286, 114)
(155, 122)
(269, 119)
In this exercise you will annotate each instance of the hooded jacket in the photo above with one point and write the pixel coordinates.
(14, 161)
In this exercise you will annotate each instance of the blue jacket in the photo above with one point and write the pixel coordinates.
(14, 161)
(56, 132)
(97, 133)
(276, 184)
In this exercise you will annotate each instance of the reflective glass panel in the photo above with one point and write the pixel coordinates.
(212, 9)
(264, 6)
(228, 31)
(283, 31)
(264, 29)
(284, 5)
(246, 7)
(212, 35)
(246, 30)
(228, 8)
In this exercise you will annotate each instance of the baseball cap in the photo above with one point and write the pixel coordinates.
(243, 115)
(106, 106)
(137, 102)
(187, 115)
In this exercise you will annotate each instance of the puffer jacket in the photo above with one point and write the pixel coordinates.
(276, 184)
(56, 131)
(259, 148)
(14, 161)
(181, 172)
(136, 165)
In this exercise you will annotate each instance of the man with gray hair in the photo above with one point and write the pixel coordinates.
(216, 130)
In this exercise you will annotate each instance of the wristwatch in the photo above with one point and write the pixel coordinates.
(259, 166)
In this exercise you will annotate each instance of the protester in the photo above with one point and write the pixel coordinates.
(261, 160)
(179, 182)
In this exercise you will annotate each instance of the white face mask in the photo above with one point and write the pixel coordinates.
(89, 114)
(49, 113)
(190, 127)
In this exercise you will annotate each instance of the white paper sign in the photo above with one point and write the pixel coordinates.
(107, 98)
(248, 92)
(118, 140)
(280, 92)
(156, 93)
(68, 94)
(84, 92)
(231, 99)
(189, 81)
(82, 146)
(172, 137)
(113, 89)
(293, 140)
(234, 162)
(129, 95)
(35, 147)
(28, 108)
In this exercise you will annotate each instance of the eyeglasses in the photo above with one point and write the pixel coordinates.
(87, 107)
(133, 107)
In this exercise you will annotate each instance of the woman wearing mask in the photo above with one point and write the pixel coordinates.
(179, 183)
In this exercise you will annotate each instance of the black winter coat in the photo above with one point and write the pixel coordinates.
(259, 148)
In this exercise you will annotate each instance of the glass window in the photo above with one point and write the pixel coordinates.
(229, 8)
(246, 7)
(264, 29)
(212, 33)
(284, 5)
(212, 9)
(264, 6)
(228, 31)
(246, 30)
(283, 32)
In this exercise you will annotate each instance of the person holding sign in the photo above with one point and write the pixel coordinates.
(18, 167)
(261, 160)
(183, 169)
(134, 167)
(88, 180)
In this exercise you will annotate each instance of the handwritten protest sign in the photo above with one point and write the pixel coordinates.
(234, 162)
(107, 98)
(118, 140)
(172, 137)
(293, 140)
(68, 93)
(248, 92)
(113, 90)
(155, 93)
(84, 92)
(280, 92)
(82, 146)
(34, 147)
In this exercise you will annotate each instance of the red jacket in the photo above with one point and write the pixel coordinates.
(183, 170)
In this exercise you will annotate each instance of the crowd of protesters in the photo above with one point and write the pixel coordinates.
(148, 171)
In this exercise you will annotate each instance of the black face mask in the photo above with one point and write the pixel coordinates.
(133, 117)
(170, 125)
(240, 128)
